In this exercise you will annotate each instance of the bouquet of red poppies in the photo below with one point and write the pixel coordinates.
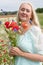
(12, 29)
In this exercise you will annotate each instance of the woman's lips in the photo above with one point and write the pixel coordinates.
(24, 15)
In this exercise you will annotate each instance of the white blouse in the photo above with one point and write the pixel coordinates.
(31, 42)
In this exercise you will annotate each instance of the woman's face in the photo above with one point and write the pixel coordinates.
(25, 12)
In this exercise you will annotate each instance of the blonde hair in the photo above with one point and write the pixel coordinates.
(34, 15)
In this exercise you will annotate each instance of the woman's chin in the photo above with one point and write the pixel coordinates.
(23, 20)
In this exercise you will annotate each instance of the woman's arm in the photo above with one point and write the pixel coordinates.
(34, 57)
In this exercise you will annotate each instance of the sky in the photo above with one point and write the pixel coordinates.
(13, 5)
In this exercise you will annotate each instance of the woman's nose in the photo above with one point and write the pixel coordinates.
(25, 11)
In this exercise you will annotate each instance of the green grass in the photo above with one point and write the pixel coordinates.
(40, 17)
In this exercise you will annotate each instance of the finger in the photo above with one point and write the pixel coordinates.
(11, 50)
(15, 48)
(13, 53)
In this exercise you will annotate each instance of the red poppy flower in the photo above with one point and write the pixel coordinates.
(4, 44)
(7, 24)
(1, 40)
(4, 60)
(15, 27)
(4, 51)
(0, 55)
(13, 24)
(24, 25)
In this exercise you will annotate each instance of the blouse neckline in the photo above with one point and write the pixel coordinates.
(27, 31)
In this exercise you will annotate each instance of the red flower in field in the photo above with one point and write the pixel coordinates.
(4, 44)
(7, 24)
(0, 55)
(4, 51)
(1, 40)
(24, 25)
(4, 60)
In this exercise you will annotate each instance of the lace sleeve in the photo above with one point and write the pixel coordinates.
(40, 44)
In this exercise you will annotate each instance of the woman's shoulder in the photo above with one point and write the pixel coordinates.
(36, 30)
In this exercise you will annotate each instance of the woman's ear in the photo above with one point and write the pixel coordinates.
(30, 21)
(31, 16)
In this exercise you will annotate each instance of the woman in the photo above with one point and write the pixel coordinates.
(29, 50)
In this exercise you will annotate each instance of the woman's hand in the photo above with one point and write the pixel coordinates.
(15, 51)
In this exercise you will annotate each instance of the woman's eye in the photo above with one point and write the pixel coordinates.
(27, 10)
(22, 9)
